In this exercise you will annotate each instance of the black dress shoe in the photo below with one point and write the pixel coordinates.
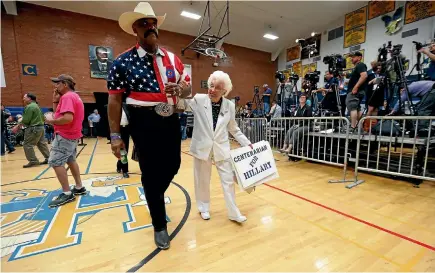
(125, 175)
(161, 238)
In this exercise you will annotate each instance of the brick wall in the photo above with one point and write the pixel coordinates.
(57, 42)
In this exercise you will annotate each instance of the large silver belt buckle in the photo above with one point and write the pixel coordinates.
(164, 109)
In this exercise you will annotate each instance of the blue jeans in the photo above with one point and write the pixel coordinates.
(266, 108)
(183, 132)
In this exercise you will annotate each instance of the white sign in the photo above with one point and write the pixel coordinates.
(254, 166)
(2, 72)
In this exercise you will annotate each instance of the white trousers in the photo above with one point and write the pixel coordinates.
(202, 172)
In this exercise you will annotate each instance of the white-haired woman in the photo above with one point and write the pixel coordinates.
(214, 119)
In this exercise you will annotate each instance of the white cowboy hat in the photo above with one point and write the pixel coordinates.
(142, 10)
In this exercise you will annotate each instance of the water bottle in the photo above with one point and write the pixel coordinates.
(124, 158)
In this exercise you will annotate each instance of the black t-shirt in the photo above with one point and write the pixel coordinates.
(354, 78)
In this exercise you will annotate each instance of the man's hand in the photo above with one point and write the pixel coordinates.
(49, 119)
(354, 90)
(56, 96)
(172, 89)
(424, 50)
(117, 145)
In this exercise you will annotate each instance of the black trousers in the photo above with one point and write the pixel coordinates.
(158, 140)
(125, 136)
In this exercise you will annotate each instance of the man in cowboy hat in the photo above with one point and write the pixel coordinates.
(153, 81)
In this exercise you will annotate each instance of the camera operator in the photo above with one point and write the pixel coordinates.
(329, 101)
(430, 53)
(266, 98)
(425, 90)
(356, 89)
(375, 90)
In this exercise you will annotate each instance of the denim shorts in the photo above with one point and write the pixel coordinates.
(62, 151)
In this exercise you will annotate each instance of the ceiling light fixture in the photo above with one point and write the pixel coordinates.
(270, 36)
(313, 34)
(190, 15)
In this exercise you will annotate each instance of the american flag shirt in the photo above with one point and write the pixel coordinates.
(144, 76)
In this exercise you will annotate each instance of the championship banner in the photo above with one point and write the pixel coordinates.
(308, 68)
(380, 7)
(418, 10)
(293, 53)
(254, 166)
(354, 36)
(356, 18)
(297, 68)
(349, 64)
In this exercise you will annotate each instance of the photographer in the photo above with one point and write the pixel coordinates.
(356, 89)
(266, 98)
(425, 90)
(329, 101)
(430, 53)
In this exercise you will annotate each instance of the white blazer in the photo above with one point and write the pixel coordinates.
(204, 139)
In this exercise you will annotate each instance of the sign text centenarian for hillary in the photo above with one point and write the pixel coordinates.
(254, 166)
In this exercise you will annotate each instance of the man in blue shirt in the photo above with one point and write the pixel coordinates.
(266, 98)
(425, 90)
(93, 120)
(329, 101)
(430, 53)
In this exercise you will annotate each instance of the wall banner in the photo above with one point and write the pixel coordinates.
(418, 10)
(293, 53)
(356, 18)
(355, 36)
(380, 7)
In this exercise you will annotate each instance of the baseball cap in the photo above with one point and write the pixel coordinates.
(356, 53)
(63, 77)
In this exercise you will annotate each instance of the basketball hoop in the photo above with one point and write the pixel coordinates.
(214, 52)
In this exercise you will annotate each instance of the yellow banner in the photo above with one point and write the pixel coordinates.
(380, 7)
(356, 18)
(308, 68)
(293, 53)
(418, 10)
(355, 36)
(297, 68)
(349, 64)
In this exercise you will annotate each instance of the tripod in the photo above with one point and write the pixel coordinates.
(396, 61)
(258, 104)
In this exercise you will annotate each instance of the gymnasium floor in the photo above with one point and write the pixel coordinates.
(298, 222)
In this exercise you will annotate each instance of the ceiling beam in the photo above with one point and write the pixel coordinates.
(10, 7)
(276, 54)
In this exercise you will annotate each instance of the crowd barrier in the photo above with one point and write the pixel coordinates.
(328, 140)
(394, 146)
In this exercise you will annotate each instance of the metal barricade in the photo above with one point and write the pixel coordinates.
(253, 128)
(410, 157)
(318, 139)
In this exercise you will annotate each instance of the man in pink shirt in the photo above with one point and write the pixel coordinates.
(67, 122)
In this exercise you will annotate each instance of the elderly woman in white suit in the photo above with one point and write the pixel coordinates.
(214, 118)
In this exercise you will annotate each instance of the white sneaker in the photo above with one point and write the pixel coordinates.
(239, 219)
(205, 215)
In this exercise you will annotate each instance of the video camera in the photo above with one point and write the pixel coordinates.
(336, 63)
(294, 77)
(256, 89)
(313, 77)
(280, 76)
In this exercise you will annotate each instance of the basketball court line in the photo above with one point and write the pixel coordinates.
(349, 216)
(92, 157)
(355, 218)
(156, 251)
